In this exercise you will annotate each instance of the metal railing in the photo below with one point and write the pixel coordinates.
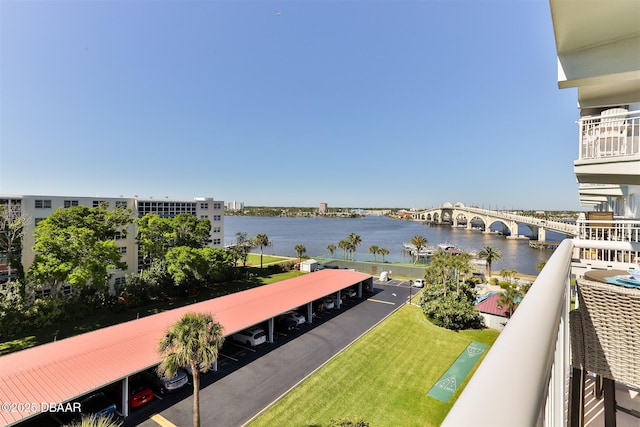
(609, 135)
(527, 369)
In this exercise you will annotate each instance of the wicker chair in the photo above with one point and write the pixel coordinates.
(605, 341)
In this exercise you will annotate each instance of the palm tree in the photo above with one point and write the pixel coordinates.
(383, 252)
(344, 245)
(300, 249)
(373, 249)
(92, 421)
(262, 241)
(331, 248)
(509, 299)
(489, 254)
(419, 242)
(193, 341)
(355, 240)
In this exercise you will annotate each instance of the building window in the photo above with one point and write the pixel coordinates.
(217, 241)
(120, 281)
(216, 229)
(43, 204)
(204, 205)
(123, 250)
(69, 203)
(204, 216)
(217, 217)
(217, 205)
(121, 203)
(119, 235)
(98, 203)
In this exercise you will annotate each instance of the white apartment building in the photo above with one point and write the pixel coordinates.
(38, 207)
(235, 206)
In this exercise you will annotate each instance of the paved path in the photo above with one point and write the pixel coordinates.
(240, 390)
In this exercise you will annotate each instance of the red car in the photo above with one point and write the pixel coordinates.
(139, 392)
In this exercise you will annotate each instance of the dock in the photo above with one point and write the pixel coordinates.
(536, 244)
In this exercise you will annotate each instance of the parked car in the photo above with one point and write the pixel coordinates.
(418, 283)
(164, 385)
(349, 292)
(98, 405)
(299, 318)
(328, 303)
(286, 324)
(139, 392)
(252, 337)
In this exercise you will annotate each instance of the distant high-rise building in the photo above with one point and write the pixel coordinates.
(235, 206)
(323, 208)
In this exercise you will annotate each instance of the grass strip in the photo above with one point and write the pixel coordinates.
(383, 377)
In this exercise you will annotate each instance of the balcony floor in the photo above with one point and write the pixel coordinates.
(594, 408)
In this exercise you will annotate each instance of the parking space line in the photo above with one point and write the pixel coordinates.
(162, 421)
(381, 302)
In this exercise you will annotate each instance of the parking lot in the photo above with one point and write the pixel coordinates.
(249, 379)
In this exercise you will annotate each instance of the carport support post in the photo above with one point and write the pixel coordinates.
(338, 299)
(270, 329)
(309, 312)
(215, 361)
(125, 397)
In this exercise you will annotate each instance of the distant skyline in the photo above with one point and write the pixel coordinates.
(353, 103)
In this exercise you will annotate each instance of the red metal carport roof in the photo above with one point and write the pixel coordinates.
(67, 369)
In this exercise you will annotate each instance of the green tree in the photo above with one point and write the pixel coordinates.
(155, 237)
(300, 250)
(262, 241)
(540, 265)
(242, 247)
(384, 252)
(355, 240)
(344, 245)
(509, 299)
(193, 341)
(76, 245)
(92, 421)
(489, 254)
(12, 230)
(331, 248)
(373, 249)
(189, 230)
(419, 242)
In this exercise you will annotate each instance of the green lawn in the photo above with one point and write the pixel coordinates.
(383, 377)
(254, 259)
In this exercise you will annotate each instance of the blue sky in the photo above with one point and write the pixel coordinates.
(353, 103)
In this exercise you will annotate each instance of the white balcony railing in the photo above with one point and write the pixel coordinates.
(612, 133)
(609, 240)
(527, 369)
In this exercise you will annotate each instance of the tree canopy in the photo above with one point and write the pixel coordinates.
(77, 245)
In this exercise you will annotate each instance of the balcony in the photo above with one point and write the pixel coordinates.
(606, 244)
(525, 378)
(609, 148)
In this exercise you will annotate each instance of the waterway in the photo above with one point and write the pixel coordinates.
(315, 234)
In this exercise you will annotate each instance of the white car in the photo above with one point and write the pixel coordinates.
(251, 337)
(349, 292)
(418, 283)
(299, 318)
(328, 303)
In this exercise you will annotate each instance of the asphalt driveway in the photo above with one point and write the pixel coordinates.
(241, 389)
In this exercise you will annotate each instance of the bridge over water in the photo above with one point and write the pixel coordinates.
(460, 215)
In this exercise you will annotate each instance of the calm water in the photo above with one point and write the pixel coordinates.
(316, 233)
